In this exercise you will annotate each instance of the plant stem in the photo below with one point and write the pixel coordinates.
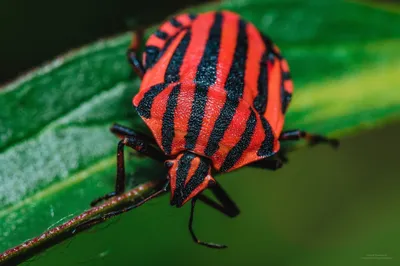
(57, 234)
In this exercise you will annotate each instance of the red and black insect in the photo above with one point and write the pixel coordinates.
(214, 94)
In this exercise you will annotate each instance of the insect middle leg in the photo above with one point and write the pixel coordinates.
(132, 56)
(135, 141)
(226, 206)
(268, 163)
(311, 138)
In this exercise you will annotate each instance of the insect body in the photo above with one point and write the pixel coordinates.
(214, 93)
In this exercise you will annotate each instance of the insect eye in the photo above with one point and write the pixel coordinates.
(211, 183)
(168, 164)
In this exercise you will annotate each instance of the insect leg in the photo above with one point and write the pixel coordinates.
(131, 54)
(282, 156)
(311, 138)
(122, 131)
(195, 239)
(120, 180)
(138, 144)
(109, 215)
(227, 206)
(267, 164)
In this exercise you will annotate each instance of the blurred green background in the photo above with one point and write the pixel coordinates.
(324, 208)
(36, 31)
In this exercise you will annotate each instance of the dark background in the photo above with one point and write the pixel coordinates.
(33, 32)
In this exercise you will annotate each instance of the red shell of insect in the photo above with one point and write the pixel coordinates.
(216, 86)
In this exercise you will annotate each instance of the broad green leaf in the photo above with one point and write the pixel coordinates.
(57, 153)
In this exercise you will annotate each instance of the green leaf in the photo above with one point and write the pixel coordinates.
(57, 153)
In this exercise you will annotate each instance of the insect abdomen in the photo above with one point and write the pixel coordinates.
(159, 41)
(234, 87)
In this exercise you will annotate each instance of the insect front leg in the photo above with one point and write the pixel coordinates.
(311, 138)
(137, 142)
(121, 132)
(226, 206)
(132, 56)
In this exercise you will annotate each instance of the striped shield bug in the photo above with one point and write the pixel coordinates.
(214, 94)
